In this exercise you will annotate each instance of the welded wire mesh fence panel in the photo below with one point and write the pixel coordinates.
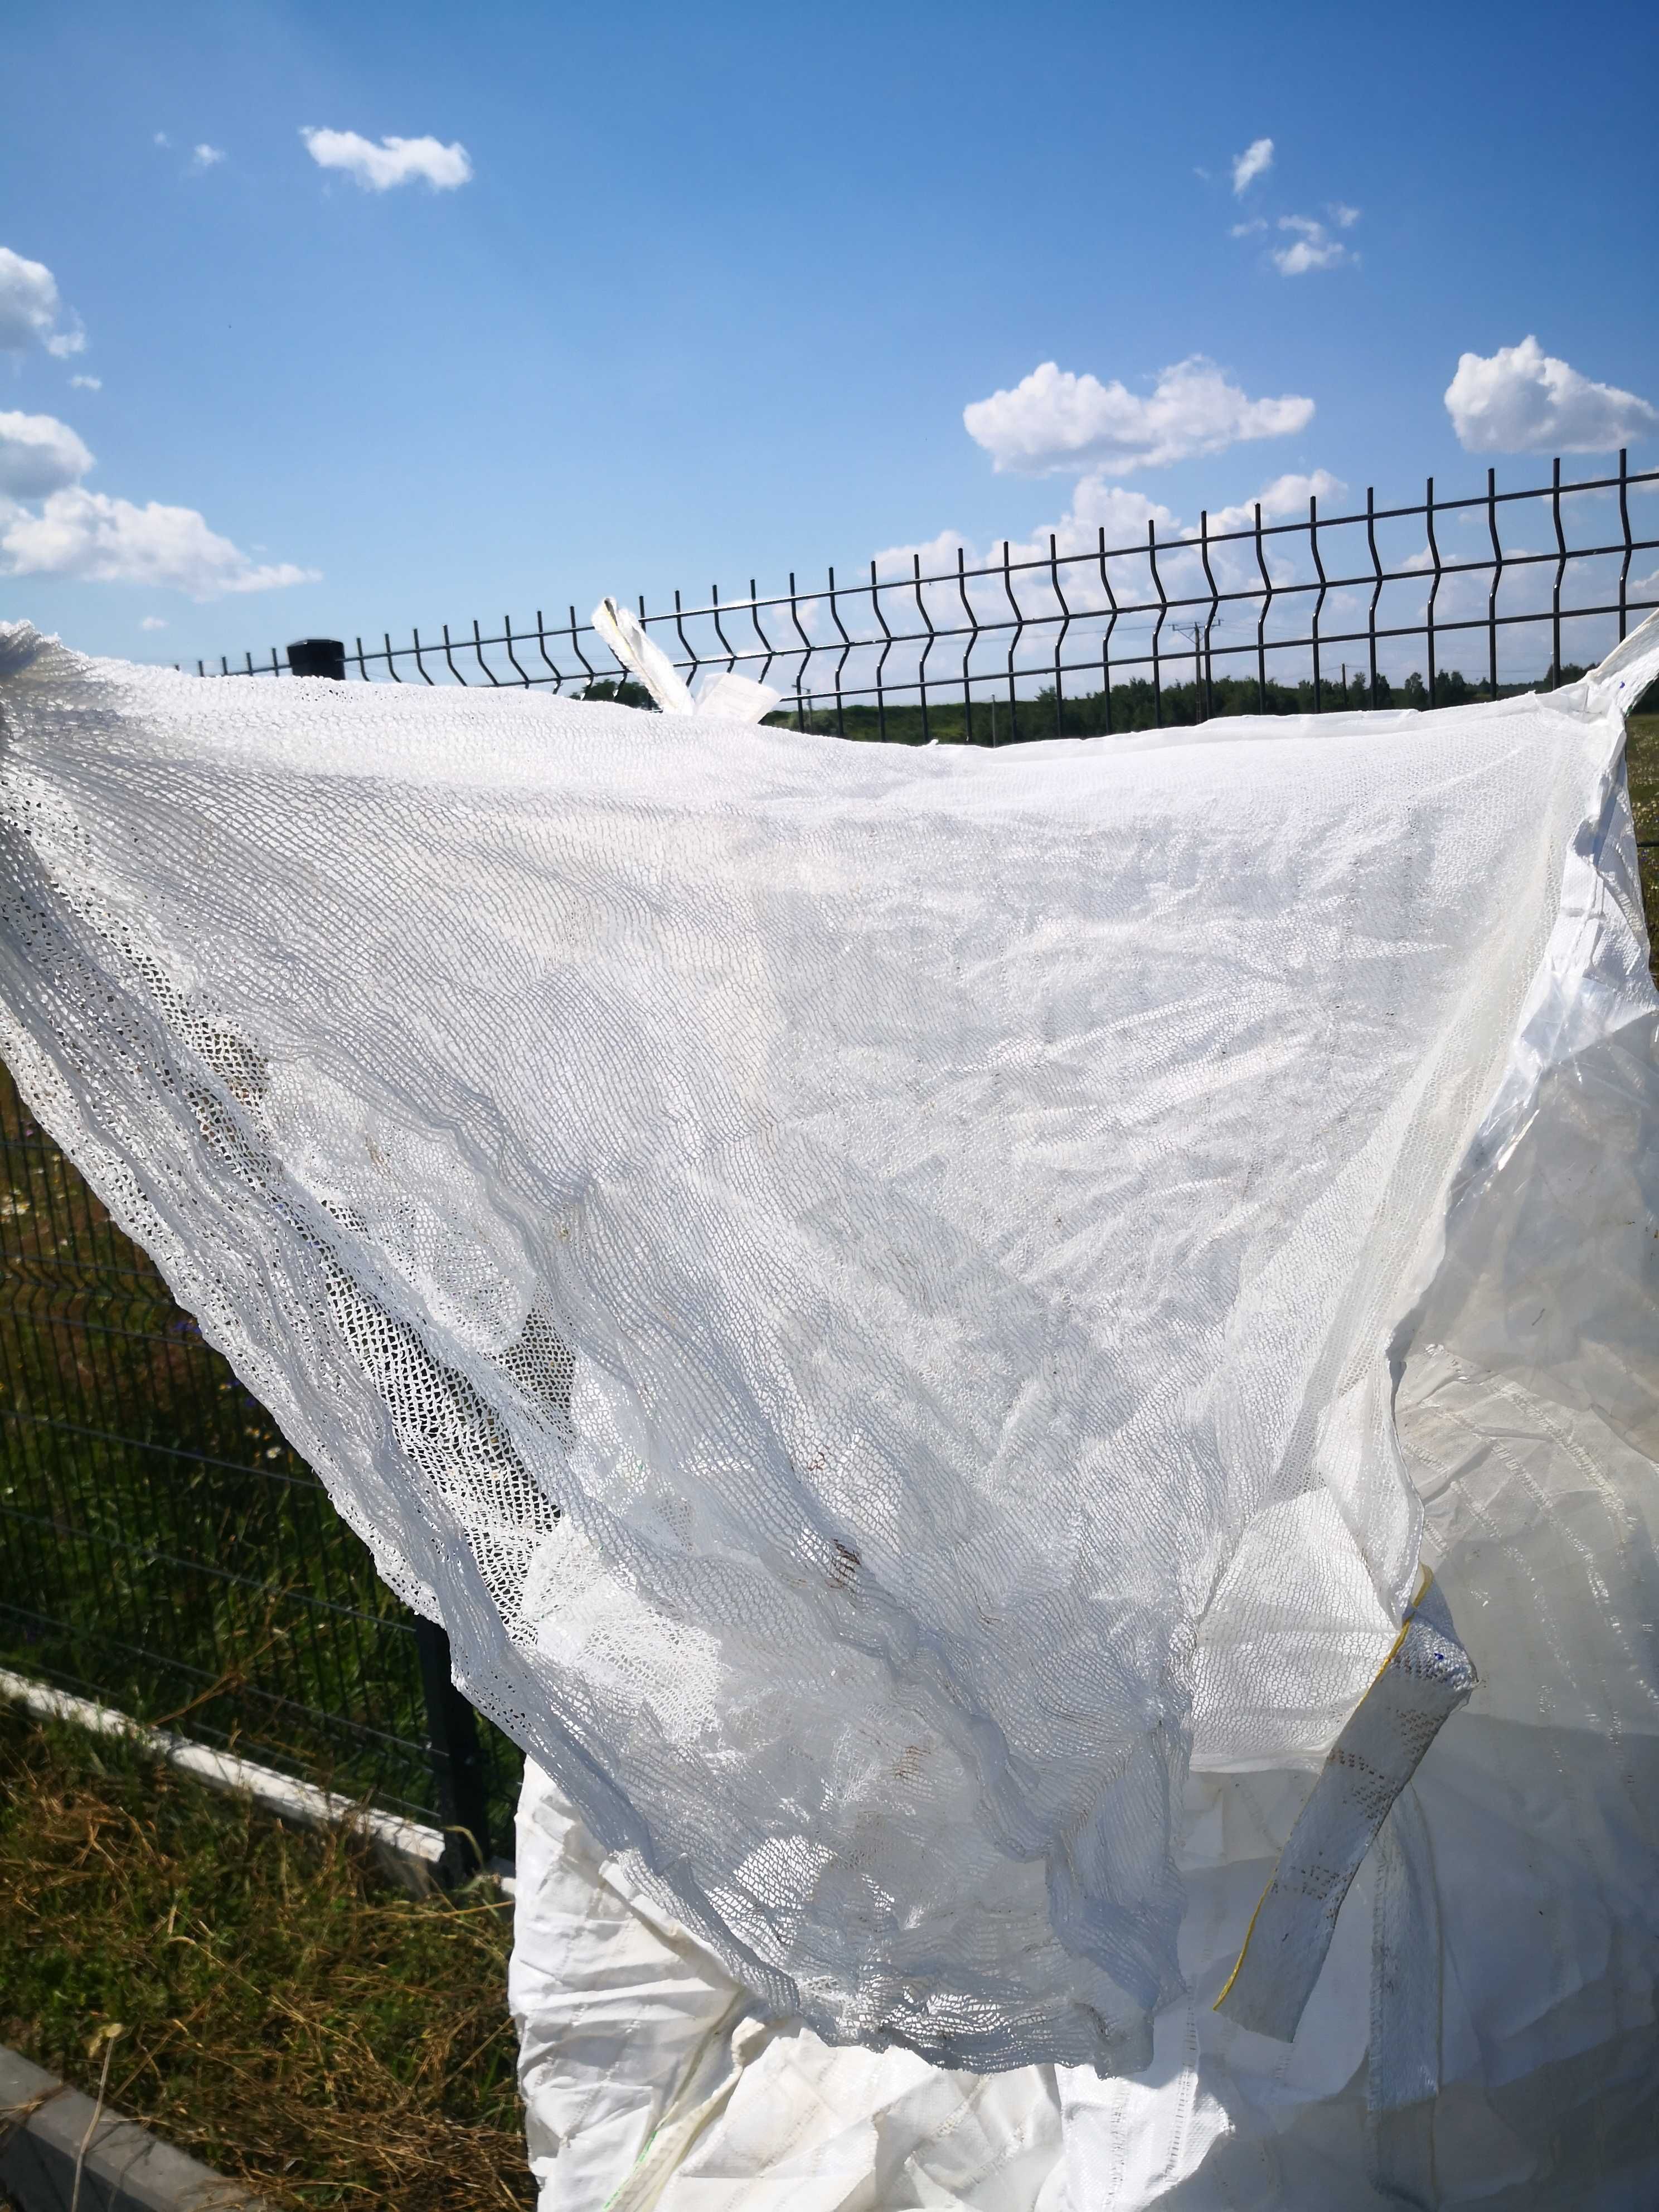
(165, 1552)
(1303, 602)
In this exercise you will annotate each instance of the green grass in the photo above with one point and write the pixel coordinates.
(171, 1555)
(284, 2014)
(1642, 763)
(1134, 704)
(1642, 758)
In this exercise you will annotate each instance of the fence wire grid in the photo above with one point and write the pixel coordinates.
(1253, 611)
(168, 1554)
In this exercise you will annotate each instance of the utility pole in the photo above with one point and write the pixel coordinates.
(1195, 631)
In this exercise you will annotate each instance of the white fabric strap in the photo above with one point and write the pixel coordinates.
(625, 636)
(724, 694)
(1426, 1677)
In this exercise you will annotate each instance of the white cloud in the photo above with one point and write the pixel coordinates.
(153, 622)
(87, 383)
(1248, 229)
(1522, 399)
(1096, 505)
(1308, 253)
(1255, 161)
(30, 308)
(934, 553)
(1344, 217)
(88, 535)
(393, 161)
(1285, 495)
(1053, 420)
(161, 138)
(1314, 247)
(207, 157)
(39, 455)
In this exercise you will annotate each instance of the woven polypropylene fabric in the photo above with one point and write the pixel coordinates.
(858, 1282)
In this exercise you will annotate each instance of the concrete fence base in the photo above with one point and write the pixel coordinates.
(408, 1851)
(49, 2133)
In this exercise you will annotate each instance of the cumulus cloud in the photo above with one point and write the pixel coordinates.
(1055, 420)
(1123, 514)
(39, 455)
(153, 622)
(1096, 505)
(393, 161)
(30, 308)
(933, 554)
(161, 138)
(1255, 161)
(1522, 399)
(87, 383)
(1343, 217)
(1312, 246)
(207, 157)
(90, 536)
(87, 534)
(1285, 495)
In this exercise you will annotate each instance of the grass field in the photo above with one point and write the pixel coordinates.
(283, 2015)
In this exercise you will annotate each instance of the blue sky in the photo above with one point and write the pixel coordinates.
(705, 292)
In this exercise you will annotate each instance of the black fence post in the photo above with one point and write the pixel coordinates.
(458, 1768)
(318, 656)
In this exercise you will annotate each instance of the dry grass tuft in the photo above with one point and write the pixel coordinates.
(284, 2014)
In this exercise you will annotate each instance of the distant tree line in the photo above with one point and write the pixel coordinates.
(1134, 706)
(626, 693)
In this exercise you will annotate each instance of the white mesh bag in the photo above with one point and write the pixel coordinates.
(866, 1286)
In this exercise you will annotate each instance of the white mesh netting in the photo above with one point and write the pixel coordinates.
(865, 1285)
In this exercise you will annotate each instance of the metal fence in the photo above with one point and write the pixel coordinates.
(166, 1553)
(166, 1550)
(1252, 611)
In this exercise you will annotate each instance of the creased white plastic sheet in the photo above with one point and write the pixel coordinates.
(916, 1313)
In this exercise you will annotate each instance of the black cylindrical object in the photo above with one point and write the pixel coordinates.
(456, 1757)
(317, 656)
